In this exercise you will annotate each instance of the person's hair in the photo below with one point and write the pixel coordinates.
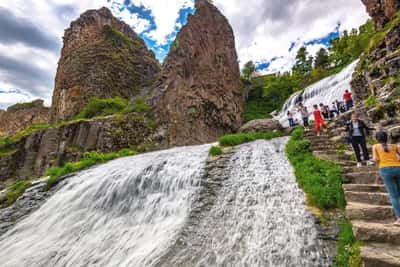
(382, 138)
(347, 91)
(355, 114)
(315, 106)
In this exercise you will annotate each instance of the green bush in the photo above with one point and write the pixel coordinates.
(102, 107)
(371, 101)
(215, 151)
(16, 190)
(348, 249)
(320, 180)
(241, 138)
(139, 105)
(89, 159)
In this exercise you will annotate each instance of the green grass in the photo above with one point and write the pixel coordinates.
(320, 180)
(89, 159)
(348, 249)
(371, 101)
(16, 190)
(215, 151)
(109, 106)
(241, 138)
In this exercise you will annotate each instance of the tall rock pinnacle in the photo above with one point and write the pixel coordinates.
(198, 96)
(102, 57)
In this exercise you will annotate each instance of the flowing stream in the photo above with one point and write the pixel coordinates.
(325, 91)
(139, 211)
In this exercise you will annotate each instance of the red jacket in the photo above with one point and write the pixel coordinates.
(317, 115)
(347, 96)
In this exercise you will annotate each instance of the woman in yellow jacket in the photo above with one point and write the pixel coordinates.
(387, 156)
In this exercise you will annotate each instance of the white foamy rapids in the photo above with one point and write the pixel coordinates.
(325, 91)
(124, 213)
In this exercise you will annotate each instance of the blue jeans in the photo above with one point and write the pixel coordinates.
(391, 178)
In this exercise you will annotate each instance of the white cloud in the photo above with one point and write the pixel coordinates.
(265, 29)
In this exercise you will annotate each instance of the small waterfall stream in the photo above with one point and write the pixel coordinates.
(325, 91)
(135, 212)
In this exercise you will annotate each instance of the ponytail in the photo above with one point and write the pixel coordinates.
(382, 138)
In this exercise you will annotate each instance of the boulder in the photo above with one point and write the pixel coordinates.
(261, 126)
(198, 97)
(382, 11)
(101, 57)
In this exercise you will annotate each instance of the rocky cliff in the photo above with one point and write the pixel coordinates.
(34, 154)
(382, 11)
(20, 116)
(198, 97)
(101, 57)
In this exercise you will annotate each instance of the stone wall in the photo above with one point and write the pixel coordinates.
(20, 116)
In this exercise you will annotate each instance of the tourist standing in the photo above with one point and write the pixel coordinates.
(318, 120)
(348, 100)
(387, 156)
(304, 114)
(358, 131)
(290, 119)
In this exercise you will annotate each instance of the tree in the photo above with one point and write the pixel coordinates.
(248, 70)
(321, 58)
(303, 64)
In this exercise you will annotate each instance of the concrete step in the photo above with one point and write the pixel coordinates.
(368, 198)
(377, 232)
(363, 211)
(380, 255)
(362, 177)
(365, 188)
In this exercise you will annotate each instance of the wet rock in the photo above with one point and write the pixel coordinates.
(261, 126)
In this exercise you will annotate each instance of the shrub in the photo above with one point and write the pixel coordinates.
(348, 249)
(102, 107)
(16, 190)
(371, 101)
(215, 151)
(320, 180)
(139, 105)
(89, 159)
(241, 138)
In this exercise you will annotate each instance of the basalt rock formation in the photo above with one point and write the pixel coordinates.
(20, 116)
(102, 57)
(382, 11)
(198, 97)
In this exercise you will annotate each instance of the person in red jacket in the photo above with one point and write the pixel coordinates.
(348, 100)
(318, 120)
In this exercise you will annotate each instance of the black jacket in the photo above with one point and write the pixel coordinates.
(362, 126)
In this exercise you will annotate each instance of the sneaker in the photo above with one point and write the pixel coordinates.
(359, 164)
(370, 163)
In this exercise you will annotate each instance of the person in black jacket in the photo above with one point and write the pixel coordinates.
(358, 131)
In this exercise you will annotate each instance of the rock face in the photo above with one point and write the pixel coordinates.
(261, 126)
(34, 154)
(382, 11)
(20, 116)
(102, 57)
(198, 97)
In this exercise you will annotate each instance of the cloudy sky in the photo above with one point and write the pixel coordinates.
(268, 32)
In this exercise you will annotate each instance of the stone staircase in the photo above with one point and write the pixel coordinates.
(368, 205)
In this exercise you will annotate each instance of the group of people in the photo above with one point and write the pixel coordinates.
(321, 112)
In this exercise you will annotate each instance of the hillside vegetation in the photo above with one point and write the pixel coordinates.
(269, 92)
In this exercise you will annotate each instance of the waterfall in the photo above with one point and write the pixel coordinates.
(325, 91)
(136, 211)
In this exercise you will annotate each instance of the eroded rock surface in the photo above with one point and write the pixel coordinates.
(382, 11)
(261, 125)
(20, 116)
(198, 97)
(102, 57)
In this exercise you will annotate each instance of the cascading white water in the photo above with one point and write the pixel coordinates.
(134, 211)
(325, 91)
(124, 213)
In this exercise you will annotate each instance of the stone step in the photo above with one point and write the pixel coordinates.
(376, 232)
(380, 255)
(362, 211)
(362, 177)
(354, 168)
(330, 155)
(365, 188)
(368, 198)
